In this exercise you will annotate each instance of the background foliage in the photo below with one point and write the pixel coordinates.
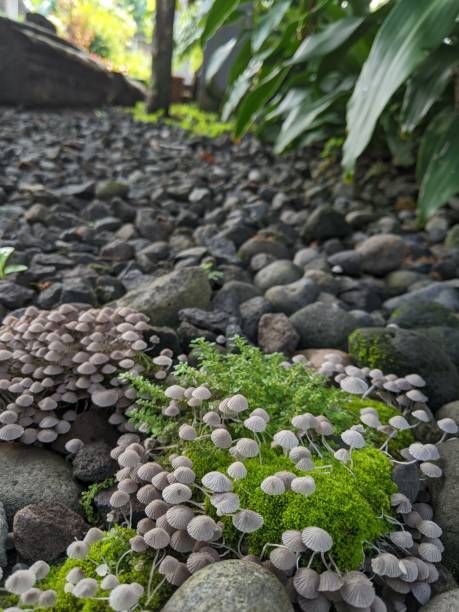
(368, 71)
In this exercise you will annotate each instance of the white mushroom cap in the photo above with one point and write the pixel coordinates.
(272, 485)
(304, 485)
(86, 588)
(237, 470)
(282, 558)
(221, 438)
(47, 599)
(317, 539)
(109, 582)
(357, 590)
(125, 596)
(157, 538)
(353, 438)
(247, 521)
(202, 528)
(217, 482)
(306, 582)
(20, 581)
(292, 540)
(77, 550)
(238, 403)
(176, 493)
(40, 569)
(447, 425)
(286, 439)
(246, 447)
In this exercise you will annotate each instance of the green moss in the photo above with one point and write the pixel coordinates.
(133, 568)
(187, 117)
(345, 505)
(87, 498)
(369, 349)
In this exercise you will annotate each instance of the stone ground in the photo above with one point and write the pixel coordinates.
(212, 238)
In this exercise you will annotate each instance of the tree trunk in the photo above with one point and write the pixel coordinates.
(163, 40)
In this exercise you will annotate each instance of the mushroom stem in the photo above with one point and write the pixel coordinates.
(157, 587)
(311, 560)
(117, 568)
(239, 545)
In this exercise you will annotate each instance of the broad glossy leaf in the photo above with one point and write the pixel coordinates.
(433, 133)
(302, 118)
(411, 31)
(15, 268)
(269, 22)
(219, 12)
(218, 58)
(257, 99)
(327, 40)
(427, 85)
(441, 178)
(241, 61)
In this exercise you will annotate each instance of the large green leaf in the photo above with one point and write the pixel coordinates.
(302, 118)
(411, 31)
(427, 85)
(218, 58)
(441, 178)
(258, 98)
(434, 132)
(219, 12)
(326, 41)
(269, 22)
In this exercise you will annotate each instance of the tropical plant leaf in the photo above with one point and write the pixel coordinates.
(218, 58)
(441, 178)
(15, 268)
(268, 23)
(241, 61)
(412, 30)
(302, 118)
(427, 85)
(434, 132)
(326, 41)
(218, 14)
(258, 98)
(239, 88)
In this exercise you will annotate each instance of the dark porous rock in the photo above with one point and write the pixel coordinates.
(165, 337)
(424, 314)
(325, 222)
(276, 334)
(441, 293)
(349, 262)
(90, 426)
(78, 290)
(402, 352)
(3, 536)
(260, 244)
(231, 586)
(447, 338)
(400, 281)
(108, 289)
(187, 332)
(406, 477)
(445, 602)
(152, 227)
(382, 254)
(106, 190)
(34, 475)
(93, 463)
(214, 320)
(118, 250)
(232, 294)
(290, 298)
(50, 296)
(14, 296)
(162, 298)
(280, 272)
(445, 493)
(251, 312)
(43, 531)
(322, 326)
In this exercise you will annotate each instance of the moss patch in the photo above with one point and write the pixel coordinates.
(345, 505)
(133, 568)
(187, 117)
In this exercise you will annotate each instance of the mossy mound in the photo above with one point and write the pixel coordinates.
(402, 352)
(109, 550)
(345, 504)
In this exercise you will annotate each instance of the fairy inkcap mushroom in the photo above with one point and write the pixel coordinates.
(317, 539)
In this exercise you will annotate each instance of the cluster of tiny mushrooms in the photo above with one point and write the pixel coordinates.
(176, 530)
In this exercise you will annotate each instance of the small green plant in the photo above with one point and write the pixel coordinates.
(87, 498)
(212, 275)
(187, 117)
(332, 148)
(5, 267)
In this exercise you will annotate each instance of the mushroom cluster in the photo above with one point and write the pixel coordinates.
(190, 517)
(52, 360)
